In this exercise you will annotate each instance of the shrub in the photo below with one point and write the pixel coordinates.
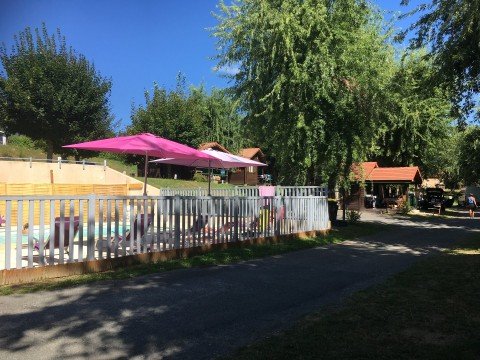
(7, 151)
(199, 177)
(353, 216)
(21, 141)
(404, 208)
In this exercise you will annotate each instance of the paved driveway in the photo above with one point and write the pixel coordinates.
(205, 312)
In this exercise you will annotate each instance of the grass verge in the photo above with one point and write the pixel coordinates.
(182, 184)
(216, 257)
(431, 311)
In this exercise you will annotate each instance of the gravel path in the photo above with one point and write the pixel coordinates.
(206, 312)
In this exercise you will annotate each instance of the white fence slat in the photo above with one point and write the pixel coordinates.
(31, 208)
(71, 232)
(41, 235)
(19, 235)
(80, 229)
(8, 234)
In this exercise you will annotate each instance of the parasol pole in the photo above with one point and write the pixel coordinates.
(145, 181)
(209, 177)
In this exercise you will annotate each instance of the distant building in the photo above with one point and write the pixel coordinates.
(388, 185)
(213, 146)
(3, 138)
(170, 171)
(249, 175)
(433, 183)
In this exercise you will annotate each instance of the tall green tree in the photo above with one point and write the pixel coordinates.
(310, 78)
(451, 30)
(51, 93)
(416, 123)
(222, 123)
(469, 159)
(190, 116)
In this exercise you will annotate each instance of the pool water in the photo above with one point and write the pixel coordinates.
(36, 232)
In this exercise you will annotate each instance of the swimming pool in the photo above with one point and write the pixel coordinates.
(36, 233)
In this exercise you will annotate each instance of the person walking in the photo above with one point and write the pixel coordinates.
(472, 205)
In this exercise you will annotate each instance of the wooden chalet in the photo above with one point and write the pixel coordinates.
(213, 146)
(240, 176)
(389, 185)
(170, 171)
(247, 176)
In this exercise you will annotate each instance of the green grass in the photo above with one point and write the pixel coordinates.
(216, 257)
(118, 165)
(431, 311)
(182, 184)
(17, 151)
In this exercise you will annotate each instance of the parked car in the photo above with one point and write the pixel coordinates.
(432, 198)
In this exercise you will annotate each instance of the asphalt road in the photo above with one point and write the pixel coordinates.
(206, 312)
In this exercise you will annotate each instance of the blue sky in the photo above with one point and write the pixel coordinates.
(135, 43)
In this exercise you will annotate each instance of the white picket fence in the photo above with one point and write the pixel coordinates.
(63, 229)
(248, 191)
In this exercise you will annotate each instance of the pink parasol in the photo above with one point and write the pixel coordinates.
(143, 144)
(218, 159)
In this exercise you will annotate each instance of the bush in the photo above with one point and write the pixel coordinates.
(21, 146)
(199, 177)
(353, 216)
(404, 208)
(7, 151)
(21, 141)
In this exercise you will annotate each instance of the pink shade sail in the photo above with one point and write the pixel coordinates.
(143, 144)
(218, 160)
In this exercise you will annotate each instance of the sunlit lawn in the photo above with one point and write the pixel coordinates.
(431, 311)
(185, 184)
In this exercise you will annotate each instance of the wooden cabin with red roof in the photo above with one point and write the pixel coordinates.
(247, 176)
(390, 185)
(213, 146)
(169, 171)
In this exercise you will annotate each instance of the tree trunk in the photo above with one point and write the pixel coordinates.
(49, 150)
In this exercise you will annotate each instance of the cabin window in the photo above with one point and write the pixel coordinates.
(250, 169)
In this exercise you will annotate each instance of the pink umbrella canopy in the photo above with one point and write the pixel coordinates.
(218, 160)
(143, 144)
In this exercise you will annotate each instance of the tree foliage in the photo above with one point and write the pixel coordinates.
(416, 127)
(469, 159)
(310, 75)
(451, 29)
(51, 93)
(189, 116)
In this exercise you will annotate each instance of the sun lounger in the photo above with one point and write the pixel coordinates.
(136, 228)
(55, 242)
